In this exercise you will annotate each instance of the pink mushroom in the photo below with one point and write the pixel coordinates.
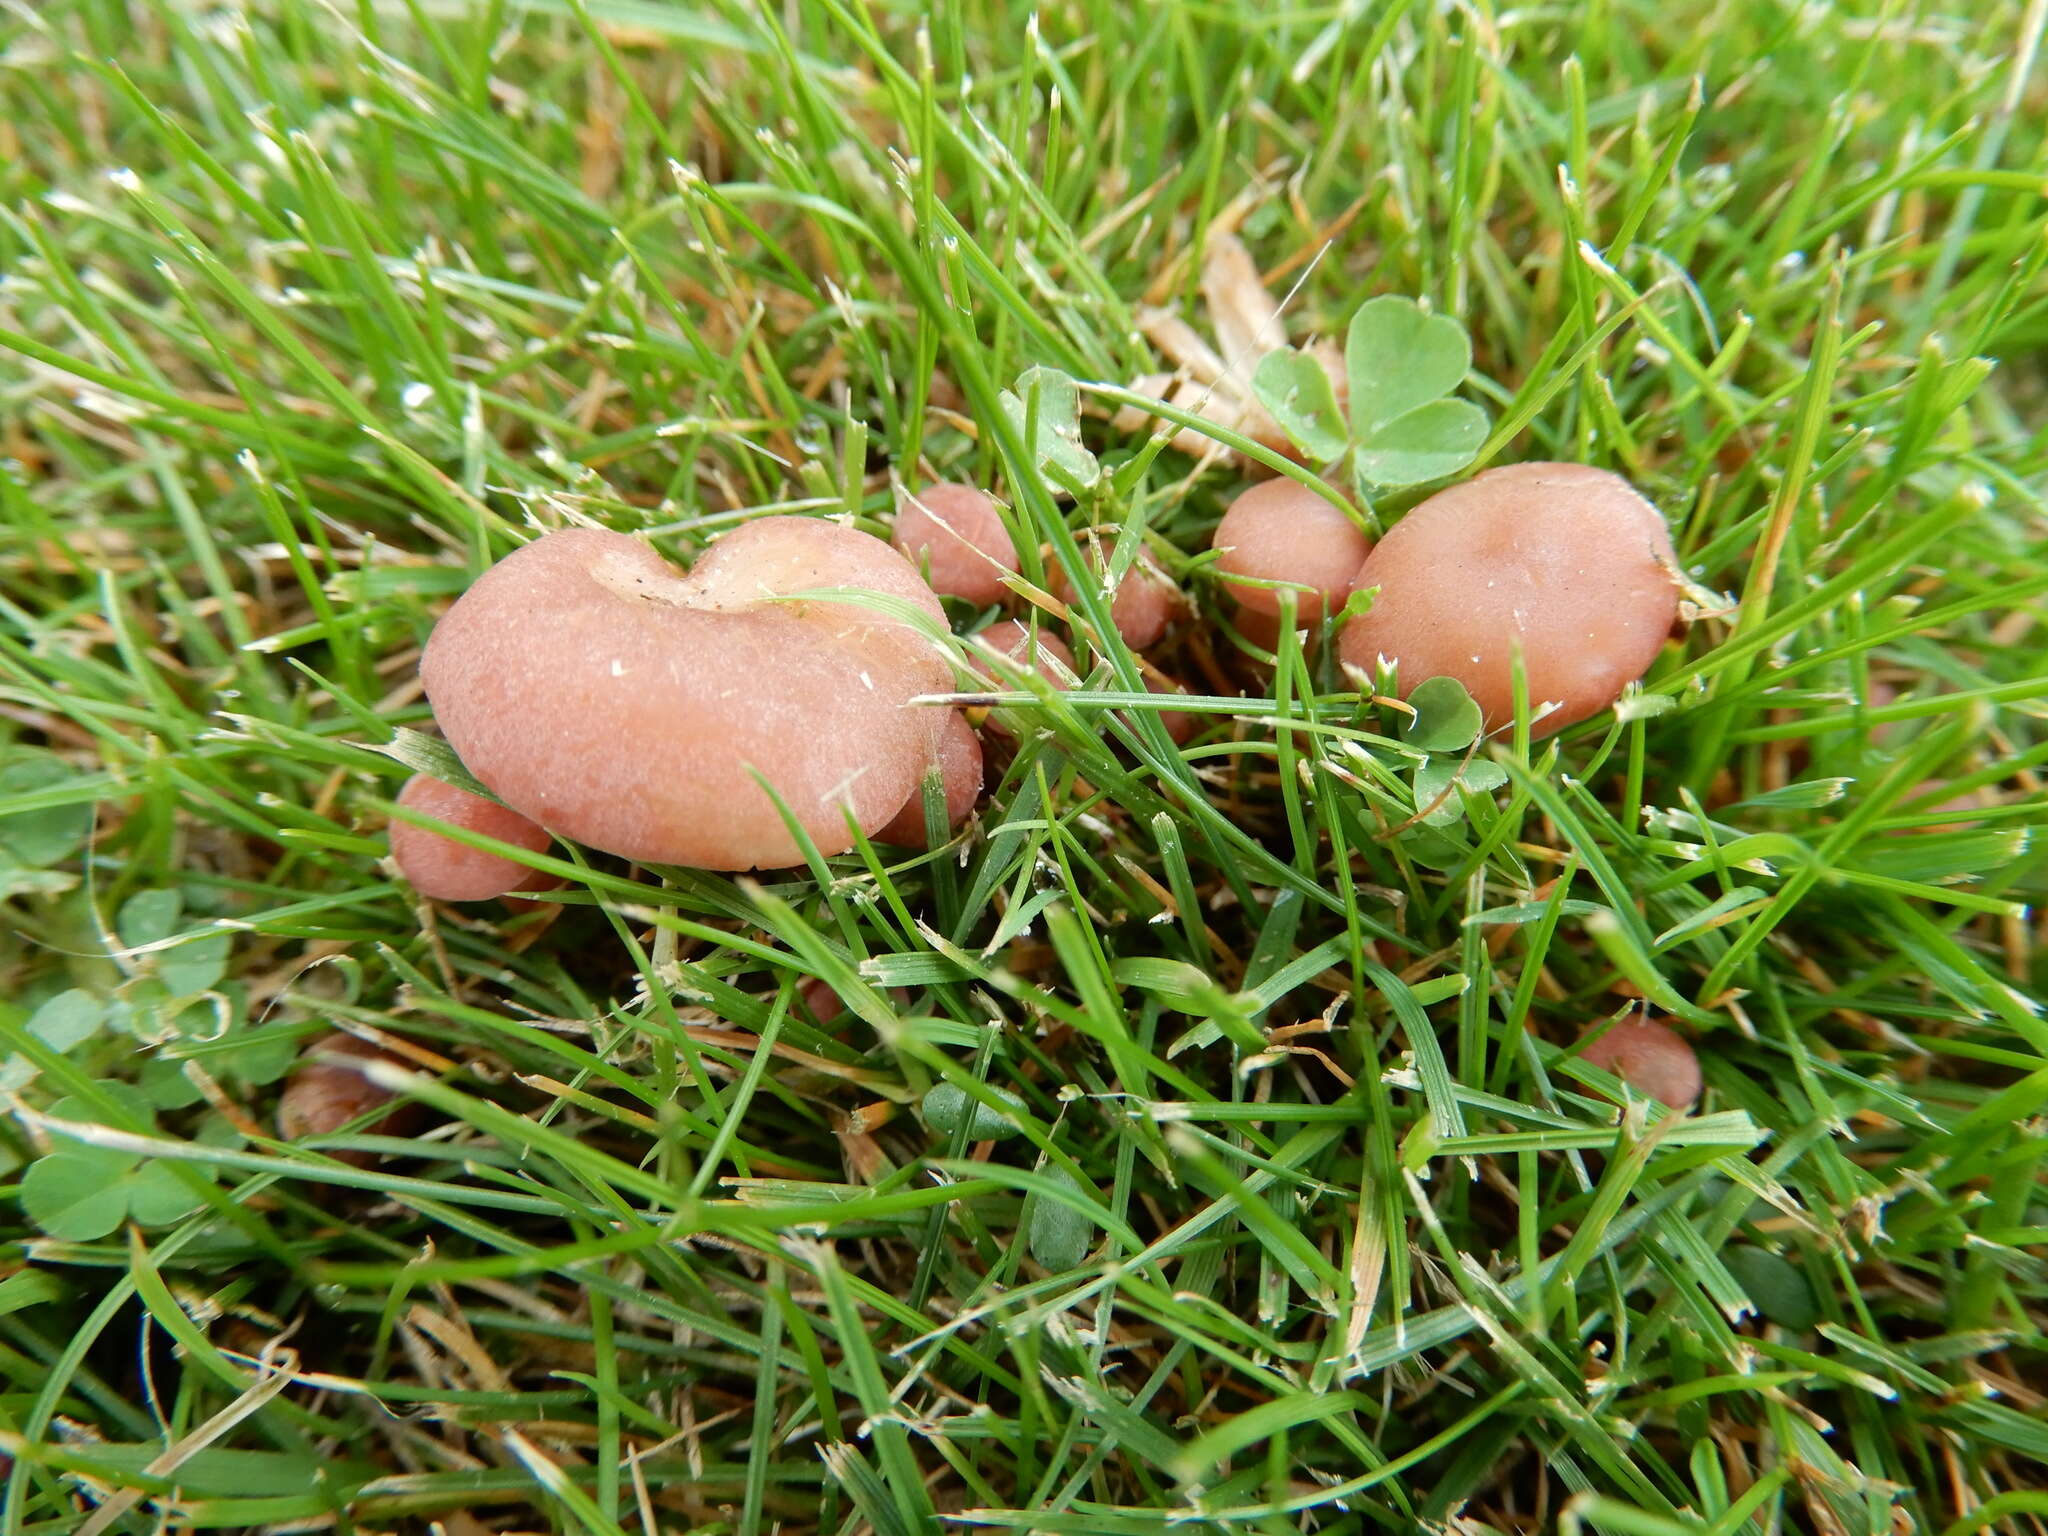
(1008, 637)
(825, 1004)
(1565, 562)
(440, 867)
(1651, 1058)
(956, 753)
(1143, 605)
(1180, 725)
(1281, 531)
(619, 702)
(1033, 652)
(955, 534)
(327, 1091)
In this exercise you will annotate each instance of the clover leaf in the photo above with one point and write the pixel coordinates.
(1296, 391)
(1045, 408)
(194, 966)
(1446, 717)
(40, 837)
(1402, 364)
(66, 1020)
(80, 1192)
(1431, 442)
(1400, 357)
(33, 839)
(947, 1108)
(1059, 1234)
(1436, 778)
(150, 917)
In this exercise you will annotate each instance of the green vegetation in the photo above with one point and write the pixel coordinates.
(1295, 1211)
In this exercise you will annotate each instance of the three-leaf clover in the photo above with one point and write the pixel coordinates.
(78, 1191)
(1402, 364)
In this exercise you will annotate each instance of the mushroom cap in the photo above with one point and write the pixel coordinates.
(1564, 560)
(1008, 637)
(1283, 531)
(828, 1007)
(821, 998)
(446, 870)
(619, 702)
(1956, 807)
(1142, 606)
(327, 1091)
(955, 750)
(1016, 640)
(1261, 629)
(955, 533)
(1180, 725)
(1651, 1058)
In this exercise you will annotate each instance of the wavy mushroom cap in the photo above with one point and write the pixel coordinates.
(629, 706)
(438, 866)
(954, 534)
(955, 751)
(1141, 607)
(1651, 1058)
(1565, 561)
(1284, 532)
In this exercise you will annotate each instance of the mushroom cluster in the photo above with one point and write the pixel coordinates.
(1564, 567)
(726, 716)
(957, 538)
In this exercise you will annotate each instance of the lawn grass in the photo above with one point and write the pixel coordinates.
(308, 311)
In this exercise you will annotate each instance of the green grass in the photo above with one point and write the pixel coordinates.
(306, 311)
